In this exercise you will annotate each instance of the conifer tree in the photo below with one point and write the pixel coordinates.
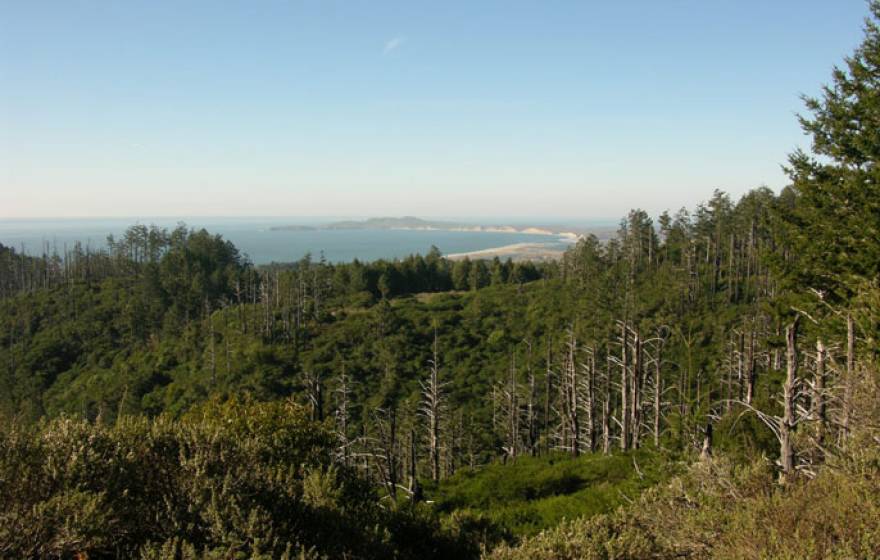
(835, 222)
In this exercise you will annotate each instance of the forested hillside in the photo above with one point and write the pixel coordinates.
(662, 323)
(702, 385)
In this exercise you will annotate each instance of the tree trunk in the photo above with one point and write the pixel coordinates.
(850, 374)
(432, 405)
(415, 489)
(751, 376)
(819, 412)
(213, 348)
(740, 364)
(573, 400)
(658, 393)
(789, 395)
(606, 424)
(636, 398)
(590, 402)
(624, 384)
(548, 389)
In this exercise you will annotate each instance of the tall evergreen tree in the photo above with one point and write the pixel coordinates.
(835, 223)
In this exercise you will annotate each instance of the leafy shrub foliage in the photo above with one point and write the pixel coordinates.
(535, 493)
(717, 510)
(228, 480)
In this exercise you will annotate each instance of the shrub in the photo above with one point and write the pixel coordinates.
(228, 480)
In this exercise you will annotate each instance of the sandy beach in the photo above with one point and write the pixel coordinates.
(515, 251)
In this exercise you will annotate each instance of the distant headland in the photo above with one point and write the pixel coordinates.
(414, 223)
(516, 251)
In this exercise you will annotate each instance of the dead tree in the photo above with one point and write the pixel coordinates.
(740, 364)
(783, 427)
(510, 410)
(818, 398)
(343, 415)
(776, 355)
(849, 382)
(387, 453)
(573, 408)
(587, 397)
(657, 389)
(548, 391)
(567, 435)
(315, 393)
(606, 414)
(751, 371)
(265, 298)
(432, 408)
(790, 390)
(636, 393)
(531, 412)
(560, 435)
(728, 383)
(531, 416)
(624, 385)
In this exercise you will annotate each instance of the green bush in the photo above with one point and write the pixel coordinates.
(720, 510)
(533, 493)
(230, 480)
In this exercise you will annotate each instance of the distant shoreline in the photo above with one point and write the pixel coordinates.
(514, 251)
(389, 238)
(412, 223)
(523, 251)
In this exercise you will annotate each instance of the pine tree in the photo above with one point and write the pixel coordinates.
(835, 222)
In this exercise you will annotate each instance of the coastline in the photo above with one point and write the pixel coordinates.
(525, 251)
(515, 251)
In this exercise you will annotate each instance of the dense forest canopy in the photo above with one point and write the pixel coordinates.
(697, 386)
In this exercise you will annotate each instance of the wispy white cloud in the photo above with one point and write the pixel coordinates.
(393, 44)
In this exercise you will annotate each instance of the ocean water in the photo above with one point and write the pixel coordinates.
(254, 237)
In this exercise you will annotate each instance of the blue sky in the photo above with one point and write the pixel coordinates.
(303, 108)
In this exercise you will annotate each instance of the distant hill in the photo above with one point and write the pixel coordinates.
(412, 222)
(404, 222)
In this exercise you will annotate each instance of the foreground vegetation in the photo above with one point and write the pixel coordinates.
(231, 480)
(719, 509)
(536, 493)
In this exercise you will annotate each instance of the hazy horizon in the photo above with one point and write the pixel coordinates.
(312, 220)
(265, 240)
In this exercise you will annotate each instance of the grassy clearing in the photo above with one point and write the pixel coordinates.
(533, 493)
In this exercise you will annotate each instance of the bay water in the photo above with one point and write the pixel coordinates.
(262, 244)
